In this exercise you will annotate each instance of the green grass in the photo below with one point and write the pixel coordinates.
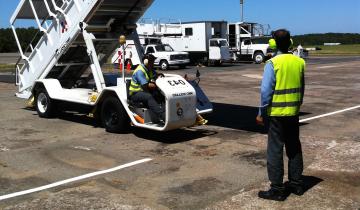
(7, 67)
(353, 49)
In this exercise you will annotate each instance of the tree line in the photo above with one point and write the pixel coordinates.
(26, 35)
(320, 39)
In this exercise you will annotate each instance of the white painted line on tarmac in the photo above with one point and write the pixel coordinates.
(67, 181)
(326, 67)
(329, 114)
(253, 76)
(332, 145)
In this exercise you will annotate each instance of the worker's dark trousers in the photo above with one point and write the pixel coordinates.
(284, 131)
(149, 101)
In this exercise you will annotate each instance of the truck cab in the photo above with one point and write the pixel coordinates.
(166, 56)
(254, 49)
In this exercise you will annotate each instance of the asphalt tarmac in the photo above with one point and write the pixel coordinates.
(221, 165)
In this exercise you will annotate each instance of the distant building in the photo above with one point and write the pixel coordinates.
(332, 44)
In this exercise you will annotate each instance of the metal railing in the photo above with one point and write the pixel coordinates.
(36, 37)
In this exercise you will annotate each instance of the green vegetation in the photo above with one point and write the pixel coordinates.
(350, 42)
(337, 50)
(26, 35)
(320, 39)
(7, 68)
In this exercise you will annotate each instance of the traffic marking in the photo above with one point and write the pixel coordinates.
(329, 114)
(67, 181)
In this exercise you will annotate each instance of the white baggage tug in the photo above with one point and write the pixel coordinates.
(65, 65)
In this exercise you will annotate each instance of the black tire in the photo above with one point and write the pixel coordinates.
(259, 57)
(164, 65)
(114, 117)
(217, 63)
(45, 106)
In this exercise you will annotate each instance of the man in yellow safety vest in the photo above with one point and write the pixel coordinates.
(282, 91)
(143, 88)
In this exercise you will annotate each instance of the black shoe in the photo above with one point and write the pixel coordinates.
(273, 194)
(295, 189)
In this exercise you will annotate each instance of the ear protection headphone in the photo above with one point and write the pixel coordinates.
(273, 45)
(146, 61)
(147, 58)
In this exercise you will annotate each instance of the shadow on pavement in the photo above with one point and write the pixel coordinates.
(168, 137)
(174, 136)
(237, 117)
(309, 182)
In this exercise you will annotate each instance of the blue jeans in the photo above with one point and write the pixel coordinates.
(149, 101)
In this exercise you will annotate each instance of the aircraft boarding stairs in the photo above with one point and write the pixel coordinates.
(76, 36)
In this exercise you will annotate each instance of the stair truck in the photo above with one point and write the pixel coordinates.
(67, 65)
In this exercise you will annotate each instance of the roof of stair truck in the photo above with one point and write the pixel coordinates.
(129, 10)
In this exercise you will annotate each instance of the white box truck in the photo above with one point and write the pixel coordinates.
(205, 41)
(66, 66)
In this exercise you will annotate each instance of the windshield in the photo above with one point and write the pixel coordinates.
(164, 48)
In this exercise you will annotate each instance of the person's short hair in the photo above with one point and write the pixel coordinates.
(282, 38)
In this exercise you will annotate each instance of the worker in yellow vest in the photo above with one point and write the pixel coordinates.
(143, 88)
(282, 92)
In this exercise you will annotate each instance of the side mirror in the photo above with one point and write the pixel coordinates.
(197, 73)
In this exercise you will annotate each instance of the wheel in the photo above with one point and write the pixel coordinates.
(164, 65)
(259, 57)
(45, 106)
(217, 63)
(114, 117)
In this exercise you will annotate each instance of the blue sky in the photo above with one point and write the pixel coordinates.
(300, 16)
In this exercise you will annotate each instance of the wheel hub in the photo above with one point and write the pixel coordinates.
(42, 102)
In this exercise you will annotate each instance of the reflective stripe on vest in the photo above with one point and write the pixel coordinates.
(135, 87)
(289, 70)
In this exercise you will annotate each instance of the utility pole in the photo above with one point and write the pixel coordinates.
(242, 10)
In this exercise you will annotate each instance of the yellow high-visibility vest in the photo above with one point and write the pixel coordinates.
(135, 87)
(289, 71)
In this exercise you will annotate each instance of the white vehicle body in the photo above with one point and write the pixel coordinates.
(165, 54)
(194, 38)
(242, 40)
(253, 51)
(67, 63)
